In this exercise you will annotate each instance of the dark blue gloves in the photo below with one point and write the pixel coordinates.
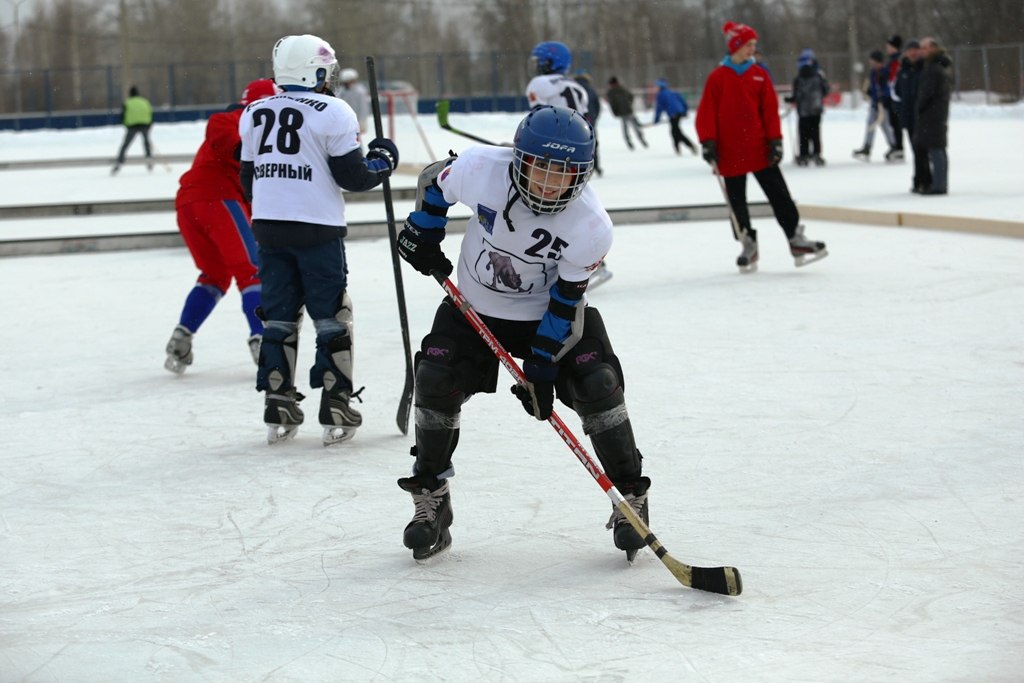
(419, 243)
(382, 156)
(538, 394)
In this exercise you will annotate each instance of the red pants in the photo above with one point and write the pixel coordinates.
(219, 237)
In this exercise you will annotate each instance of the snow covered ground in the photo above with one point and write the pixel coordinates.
(848, 434)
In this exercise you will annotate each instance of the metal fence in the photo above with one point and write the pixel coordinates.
(996, 70)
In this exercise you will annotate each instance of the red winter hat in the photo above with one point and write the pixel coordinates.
(257, 90)
(738, 35)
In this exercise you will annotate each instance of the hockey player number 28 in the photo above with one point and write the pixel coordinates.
(287, 131)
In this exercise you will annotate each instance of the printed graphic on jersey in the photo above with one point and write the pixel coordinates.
(504, 272)
(486, 217)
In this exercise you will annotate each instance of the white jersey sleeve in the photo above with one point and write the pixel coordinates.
(557, 90)
(510, 257)
(289, 139)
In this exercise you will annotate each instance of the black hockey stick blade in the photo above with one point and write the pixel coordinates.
(405, 403)
(722, 580)
(443, 106)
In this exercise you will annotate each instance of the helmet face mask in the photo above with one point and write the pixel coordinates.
(304, 61)
(552, 158)
(550, 57)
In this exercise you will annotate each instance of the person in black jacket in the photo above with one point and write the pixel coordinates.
(906, 90)
(931, 113)
(809, 89)
(620, 99)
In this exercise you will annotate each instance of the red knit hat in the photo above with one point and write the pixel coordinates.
(257, 90)
(738, 35)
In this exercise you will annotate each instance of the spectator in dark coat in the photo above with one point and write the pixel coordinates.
(809, 89)
(906, 90)
(620, 99)
(931, 112)
(592, 112)
(674, 105)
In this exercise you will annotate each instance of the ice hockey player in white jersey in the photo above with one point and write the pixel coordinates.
(552, 85)
(537, 233)
(298, 148)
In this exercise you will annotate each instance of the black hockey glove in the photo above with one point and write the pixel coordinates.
(538, 394)
(382, 156)
(709, 150)
(775, 151)
(419, 243)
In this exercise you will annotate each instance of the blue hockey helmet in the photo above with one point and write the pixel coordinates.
(551, 57)
(552, 157)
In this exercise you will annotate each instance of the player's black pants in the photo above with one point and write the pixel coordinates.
(774, 186)
(678, 136)
(454, 363)
(810, 135)
(129, 134)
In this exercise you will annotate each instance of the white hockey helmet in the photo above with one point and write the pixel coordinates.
(348, 75)
(305, 60)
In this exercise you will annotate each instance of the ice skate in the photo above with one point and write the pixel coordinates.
(805, 251)
(254, 347)
(179, 350)
(427, 534)
(282, 415)
(803, 160)
(337, 417)
(747, 260)
(600, 276)
(624, 535)
(894, 156)
(818, 160)
(862, 154)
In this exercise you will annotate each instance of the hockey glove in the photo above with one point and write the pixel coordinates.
(382, 156)
(709, 150)
(419, 243)
(775, 151)
(538, 394)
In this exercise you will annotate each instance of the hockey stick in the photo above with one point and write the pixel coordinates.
(737, 231)
(405, 403)
(723, 580)
(442, 119)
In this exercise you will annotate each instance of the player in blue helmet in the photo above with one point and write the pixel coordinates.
(553, 157)
(536, 234)
(551, 57)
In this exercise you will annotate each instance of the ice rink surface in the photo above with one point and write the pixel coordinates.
(848, 435)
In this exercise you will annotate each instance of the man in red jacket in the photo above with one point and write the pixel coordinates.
(214, 220)
(739, 130)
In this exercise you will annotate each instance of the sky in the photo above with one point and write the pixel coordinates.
(847, 434)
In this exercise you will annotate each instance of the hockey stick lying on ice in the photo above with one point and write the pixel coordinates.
(724, 580)
(405, 403)
(442, 119)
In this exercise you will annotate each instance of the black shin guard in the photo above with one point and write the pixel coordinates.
(597, 397)
(438, 406)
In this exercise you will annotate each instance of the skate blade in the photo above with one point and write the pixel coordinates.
(631, 555)
(807, 259)
(336, 435)
(444, 542)
(279, 433)
(174, 365)
(749, 268)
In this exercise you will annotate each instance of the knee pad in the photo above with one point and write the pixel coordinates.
(278, 353)
(437, 387)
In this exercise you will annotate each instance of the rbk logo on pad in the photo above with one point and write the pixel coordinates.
(486, 217)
